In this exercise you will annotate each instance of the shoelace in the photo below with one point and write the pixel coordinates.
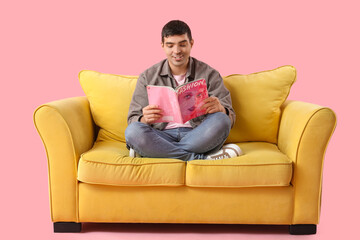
(222, 156)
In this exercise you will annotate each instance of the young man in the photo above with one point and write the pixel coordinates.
(199, 138)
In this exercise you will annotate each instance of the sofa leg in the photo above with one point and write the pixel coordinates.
(302, 229)
(67, 227)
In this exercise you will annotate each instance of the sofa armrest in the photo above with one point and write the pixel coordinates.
(305, 130)
(67, 130)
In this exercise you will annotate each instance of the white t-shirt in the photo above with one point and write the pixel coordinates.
(180, 79)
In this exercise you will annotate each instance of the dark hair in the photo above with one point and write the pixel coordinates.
(175, 27)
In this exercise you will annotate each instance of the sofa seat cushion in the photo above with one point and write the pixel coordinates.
(261, 165)
(108, 163)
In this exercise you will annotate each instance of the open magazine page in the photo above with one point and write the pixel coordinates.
(166, 99)
(190, 97)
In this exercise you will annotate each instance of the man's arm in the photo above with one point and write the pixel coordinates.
(213, 105)
(219, 96)
(139, 100)
(151, 113)
(139, 110)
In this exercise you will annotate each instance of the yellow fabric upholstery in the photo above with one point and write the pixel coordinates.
(261, 165)
(281, 145)
(256, 99)
(270, 205)
(109, 96)
(305, 131)
(67, 130)
(108, 163)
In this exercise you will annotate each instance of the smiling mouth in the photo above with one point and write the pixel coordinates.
(191, 109)
(178, 58)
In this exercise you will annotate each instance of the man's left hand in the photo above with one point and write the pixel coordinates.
(213, 105)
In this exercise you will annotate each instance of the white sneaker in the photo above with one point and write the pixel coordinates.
(227, 151)
(132, 153)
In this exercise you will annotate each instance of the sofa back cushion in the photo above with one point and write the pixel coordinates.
(256, 99)
(109, 96)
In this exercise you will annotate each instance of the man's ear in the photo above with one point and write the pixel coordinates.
(192, 42)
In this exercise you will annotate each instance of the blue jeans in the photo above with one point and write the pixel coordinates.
(180, 143)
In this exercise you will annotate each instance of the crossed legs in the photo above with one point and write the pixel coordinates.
(180, 143)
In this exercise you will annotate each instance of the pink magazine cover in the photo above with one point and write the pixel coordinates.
(179, 105)
(166, 99)
(190, 98)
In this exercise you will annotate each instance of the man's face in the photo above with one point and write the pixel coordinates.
(177, 49)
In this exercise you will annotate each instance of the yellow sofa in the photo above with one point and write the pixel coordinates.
(277, 181)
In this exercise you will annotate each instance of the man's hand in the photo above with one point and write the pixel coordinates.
(213, 105)
(151, 113)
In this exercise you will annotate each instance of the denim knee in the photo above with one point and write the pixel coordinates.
(133, 131)
(218, 125)
(220, 121)
(209, 135)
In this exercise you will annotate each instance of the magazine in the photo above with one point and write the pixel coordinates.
(181, 104)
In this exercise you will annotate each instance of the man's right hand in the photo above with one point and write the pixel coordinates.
(151, 113)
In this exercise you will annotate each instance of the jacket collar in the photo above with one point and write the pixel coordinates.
(166, 71)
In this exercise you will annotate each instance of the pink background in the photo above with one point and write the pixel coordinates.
(45, 44)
